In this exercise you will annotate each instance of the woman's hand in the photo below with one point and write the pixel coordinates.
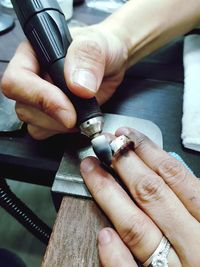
(163, 199)
(94, 65)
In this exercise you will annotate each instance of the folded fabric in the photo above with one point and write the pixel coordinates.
(191, 100)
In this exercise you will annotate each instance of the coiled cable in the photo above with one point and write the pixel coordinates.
(21, 212)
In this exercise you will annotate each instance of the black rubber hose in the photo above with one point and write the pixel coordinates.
(15, 207)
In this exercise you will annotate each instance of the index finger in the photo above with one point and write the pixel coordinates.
(177, 176)
(21, 82)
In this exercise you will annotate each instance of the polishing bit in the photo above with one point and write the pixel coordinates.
(102, 149)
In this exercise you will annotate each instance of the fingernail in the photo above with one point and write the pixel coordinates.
(87, 165)
(105, 237)
(125, 131)
(85, 79)
(65, 117)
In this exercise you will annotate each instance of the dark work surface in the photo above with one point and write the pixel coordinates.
(152, 90)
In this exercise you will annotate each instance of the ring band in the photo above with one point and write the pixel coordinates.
(159, 257)
(120, 145)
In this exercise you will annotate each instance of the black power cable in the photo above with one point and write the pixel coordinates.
(15, 207)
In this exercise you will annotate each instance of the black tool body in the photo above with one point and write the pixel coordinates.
(45, 27)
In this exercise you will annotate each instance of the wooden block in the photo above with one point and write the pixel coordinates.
(73, 242)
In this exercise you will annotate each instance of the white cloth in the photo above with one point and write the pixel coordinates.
(191, 100)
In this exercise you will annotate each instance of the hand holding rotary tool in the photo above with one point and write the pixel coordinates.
(45, 27)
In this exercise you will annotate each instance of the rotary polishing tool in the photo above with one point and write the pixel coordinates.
(44, 25)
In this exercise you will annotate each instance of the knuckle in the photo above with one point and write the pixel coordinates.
(21, 114)
(140, 140)
(133, 231)
(37, 133)
(149, 189)
(34, 133)
(172, 171)
(46, 103)
(8, 82)
(104, 183)
(91, 51)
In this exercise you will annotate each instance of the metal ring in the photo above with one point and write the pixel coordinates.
(159, 257)
(120, 145)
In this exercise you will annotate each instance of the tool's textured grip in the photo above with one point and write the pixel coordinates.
(85, 108)
(25, 9)
(46, 29)
(48, 33)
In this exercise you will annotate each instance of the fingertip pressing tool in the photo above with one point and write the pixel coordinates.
(44, 25)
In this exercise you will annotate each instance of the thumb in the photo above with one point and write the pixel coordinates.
(85, 64)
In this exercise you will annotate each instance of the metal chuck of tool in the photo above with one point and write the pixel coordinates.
(93, 130)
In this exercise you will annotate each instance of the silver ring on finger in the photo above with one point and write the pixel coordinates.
(120, 145)
(159, 257)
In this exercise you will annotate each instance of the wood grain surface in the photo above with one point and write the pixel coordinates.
(73, 242)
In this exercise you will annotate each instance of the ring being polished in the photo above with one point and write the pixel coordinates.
(159, 257)
(120, 145)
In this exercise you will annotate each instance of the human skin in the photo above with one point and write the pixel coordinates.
(163, 199)
(95, 63)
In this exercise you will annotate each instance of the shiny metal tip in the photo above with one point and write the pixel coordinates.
(92, 127)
